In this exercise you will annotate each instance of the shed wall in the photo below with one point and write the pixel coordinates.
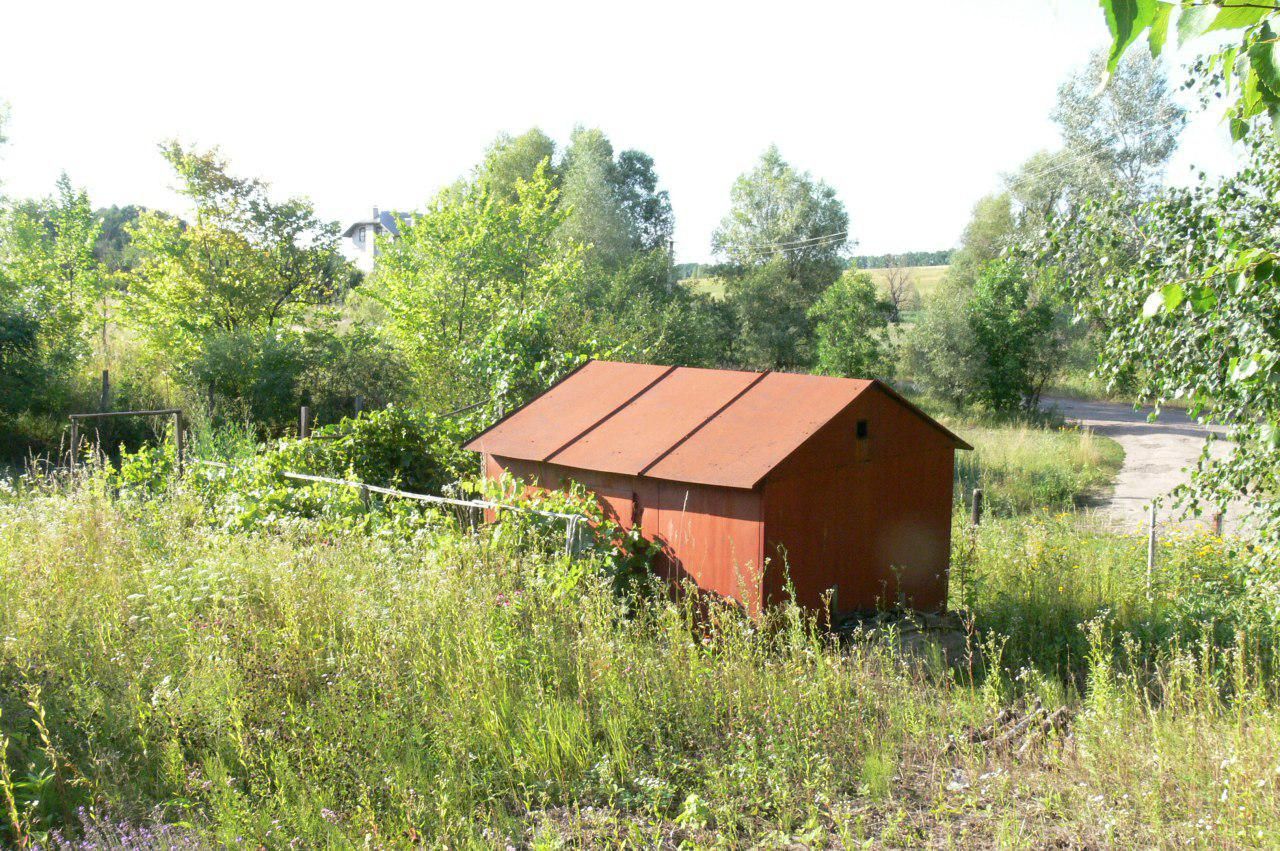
(873, 519)
(711, 535)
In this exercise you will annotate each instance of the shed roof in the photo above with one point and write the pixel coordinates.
(705, 426)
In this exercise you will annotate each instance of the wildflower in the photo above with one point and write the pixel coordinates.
(329, 815)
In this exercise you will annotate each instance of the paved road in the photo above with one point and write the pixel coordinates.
(1157, 456)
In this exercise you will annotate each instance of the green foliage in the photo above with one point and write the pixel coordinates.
(1117, 138)
(994, 344)
(589, 195)
(114, 248)
(49, 283)
(1192, 315)
(264, 376)
(985, 237)
(784, 235)
(906, 258)
(1013, 340)
(513, 160)
(853, 329)
(244, 263)
(644, 316)
(1244, 73)
(479, 293)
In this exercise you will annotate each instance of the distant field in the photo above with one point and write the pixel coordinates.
(925, 278)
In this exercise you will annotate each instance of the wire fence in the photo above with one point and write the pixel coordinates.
(572, 521)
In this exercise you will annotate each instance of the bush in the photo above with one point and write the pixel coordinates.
(993, 343)
(265, 377)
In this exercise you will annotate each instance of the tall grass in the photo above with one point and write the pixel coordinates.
(1029, 467)
(448, 690)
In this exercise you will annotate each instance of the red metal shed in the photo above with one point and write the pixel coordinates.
(751, 478)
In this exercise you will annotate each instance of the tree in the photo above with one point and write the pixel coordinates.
(480, 293)
(1123, 133)
(50, 273)
(853, 329)
(1189, 309)
(512, 159)
(589, 192)
(49, 283)
(647, 208)
(986, 235)
(243, 262)
(785, 233)
(1191, 313)
(992, 344)
(1012, 333)
(114, 248)
(899, 284)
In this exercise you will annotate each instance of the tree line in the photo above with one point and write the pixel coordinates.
(539, 257)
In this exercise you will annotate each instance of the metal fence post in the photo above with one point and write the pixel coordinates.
(1151, 547)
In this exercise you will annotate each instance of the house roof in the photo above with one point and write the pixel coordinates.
(389, 221)
(705, 426)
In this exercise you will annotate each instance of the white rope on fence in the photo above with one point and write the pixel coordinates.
(571, 520)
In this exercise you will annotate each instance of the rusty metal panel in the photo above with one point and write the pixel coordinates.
(762, 428)
(711, 536)
(714, 537)
(567, 410)
(875, 523)
(655, 421)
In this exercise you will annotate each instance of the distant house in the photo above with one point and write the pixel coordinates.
(363, 235)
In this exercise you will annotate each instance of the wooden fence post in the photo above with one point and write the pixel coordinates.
(179, 442)
(75, 443)
(976, 516)
(1218, 517)
(304, 422)
(105, 402)
(359, 404)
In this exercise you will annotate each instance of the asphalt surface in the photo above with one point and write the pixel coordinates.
(1158, 457)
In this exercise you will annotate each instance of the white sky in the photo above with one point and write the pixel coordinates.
(911, 110)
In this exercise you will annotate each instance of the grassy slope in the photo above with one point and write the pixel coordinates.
(332, 689)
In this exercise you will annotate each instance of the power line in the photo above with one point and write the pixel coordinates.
(797, 245)
(1089, 152)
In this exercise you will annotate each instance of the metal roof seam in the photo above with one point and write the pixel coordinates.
(628, 403)
(673, 447)
(517, 409)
